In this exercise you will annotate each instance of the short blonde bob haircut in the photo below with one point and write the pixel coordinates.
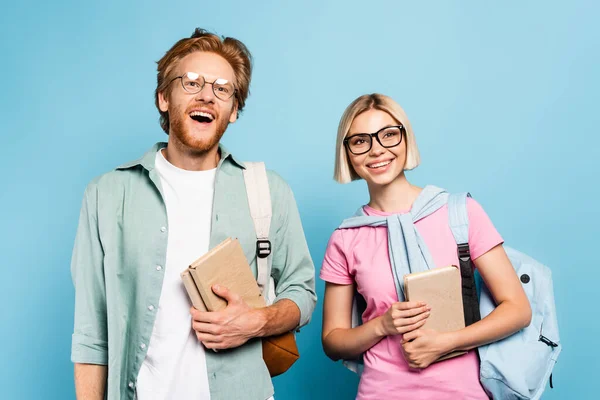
(343, 171)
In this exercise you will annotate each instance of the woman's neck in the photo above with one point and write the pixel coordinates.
(396, 196)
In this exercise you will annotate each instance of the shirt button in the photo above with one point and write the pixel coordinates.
(151, 307)
(163, 229)
(142, 346)
(158, 267)
(131, 385)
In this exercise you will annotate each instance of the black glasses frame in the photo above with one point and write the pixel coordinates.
(376, 136)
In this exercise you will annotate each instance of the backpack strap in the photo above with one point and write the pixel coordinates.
(459, 224)
(259, 201)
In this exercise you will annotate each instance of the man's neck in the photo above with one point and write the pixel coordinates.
(185, 158)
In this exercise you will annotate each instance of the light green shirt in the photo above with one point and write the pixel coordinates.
(119, 262)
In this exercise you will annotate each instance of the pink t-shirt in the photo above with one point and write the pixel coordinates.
(361, 255)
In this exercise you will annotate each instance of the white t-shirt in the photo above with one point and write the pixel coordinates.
(175, 365)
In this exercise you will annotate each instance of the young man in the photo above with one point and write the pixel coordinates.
(143, 223)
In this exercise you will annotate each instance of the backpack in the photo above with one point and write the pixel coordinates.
(518, 366)
(281, 351)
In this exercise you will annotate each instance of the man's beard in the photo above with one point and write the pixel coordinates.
(180, 130)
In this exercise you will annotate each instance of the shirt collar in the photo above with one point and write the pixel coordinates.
(148, 159)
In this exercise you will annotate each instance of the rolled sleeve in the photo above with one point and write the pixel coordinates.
(89, 350)
(292, 268)
(90, 336)
(305, 303)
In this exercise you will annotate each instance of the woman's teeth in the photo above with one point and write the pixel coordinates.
(380, 164)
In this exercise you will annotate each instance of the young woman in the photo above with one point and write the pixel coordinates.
(375, 142)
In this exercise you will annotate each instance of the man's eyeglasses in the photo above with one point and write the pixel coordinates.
(387, 137)
(194, 83)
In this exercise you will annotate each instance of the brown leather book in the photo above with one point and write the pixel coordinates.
(440, 289)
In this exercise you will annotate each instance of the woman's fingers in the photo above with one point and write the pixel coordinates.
(407, 305)
(409, 328)
(412, 320)
(411, 312)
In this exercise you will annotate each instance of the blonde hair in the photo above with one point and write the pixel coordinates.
(343, 171)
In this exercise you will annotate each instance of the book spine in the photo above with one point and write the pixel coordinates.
(205, 292)
(406, 294)
(192, 291)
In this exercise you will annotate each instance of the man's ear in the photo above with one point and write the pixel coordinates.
(234, 113)
(163, 102)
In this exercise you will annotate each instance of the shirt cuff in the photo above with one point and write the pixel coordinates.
(304, 302)
(88, 350)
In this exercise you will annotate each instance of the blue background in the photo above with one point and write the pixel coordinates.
(502, 97)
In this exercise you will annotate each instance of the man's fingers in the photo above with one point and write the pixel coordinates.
(208, 337)
(225, 293)
(212, 345)
(204, 316)
(204, 327)
(215, 346)
(209, 342)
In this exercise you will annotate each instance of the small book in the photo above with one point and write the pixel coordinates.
(227, 266)
(440, 289)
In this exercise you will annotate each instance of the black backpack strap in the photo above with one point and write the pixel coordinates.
(469, 289)
(459, 224)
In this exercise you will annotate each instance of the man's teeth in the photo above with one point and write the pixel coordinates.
(379, 165)
(201, 114)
